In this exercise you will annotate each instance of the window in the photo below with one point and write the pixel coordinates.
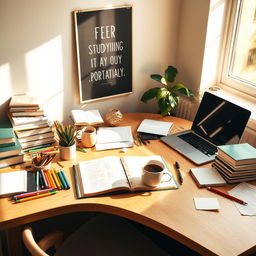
(239, 67)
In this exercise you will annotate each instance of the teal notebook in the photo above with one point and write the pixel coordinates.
(15, 149)
(238, 154)
(6, 134)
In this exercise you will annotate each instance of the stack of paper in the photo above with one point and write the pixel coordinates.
(114, 137)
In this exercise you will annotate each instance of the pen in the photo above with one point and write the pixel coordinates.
(227, 195)
(177, 167)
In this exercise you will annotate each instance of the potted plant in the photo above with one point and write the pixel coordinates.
(67, 140)
(168, 96)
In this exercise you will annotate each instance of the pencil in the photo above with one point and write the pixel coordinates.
(60, 164)
(35, 197)
(227, 195)
(56, 174)
(29, 194)
(65, 179)
(52, 181)
(81, 149)
(61, 180)
(46, 175)
(55, 179)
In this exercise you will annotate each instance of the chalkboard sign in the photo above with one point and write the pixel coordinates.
(104, 52)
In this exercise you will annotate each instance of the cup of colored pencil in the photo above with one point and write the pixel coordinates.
(42, 161)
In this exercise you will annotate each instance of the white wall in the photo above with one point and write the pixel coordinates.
(193, 20)
(37, 52)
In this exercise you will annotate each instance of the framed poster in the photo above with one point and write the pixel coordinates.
(104, 52)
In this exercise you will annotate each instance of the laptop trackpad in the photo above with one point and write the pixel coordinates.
(185, 148)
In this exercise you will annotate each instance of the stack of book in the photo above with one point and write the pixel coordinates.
(236, 162)
(29, 122)
(10, 149)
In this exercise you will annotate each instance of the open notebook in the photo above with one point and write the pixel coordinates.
(112, 173)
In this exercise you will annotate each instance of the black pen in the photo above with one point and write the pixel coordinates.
(177, 167)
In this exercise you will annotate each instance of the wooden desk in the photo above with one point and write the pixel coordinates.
(171, 212)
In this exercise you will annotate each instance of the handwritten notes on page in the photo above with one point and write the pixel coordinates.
(247, 193)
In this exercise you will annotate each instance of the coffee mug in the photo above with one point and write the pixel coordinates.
(153, 172)
(88, 136)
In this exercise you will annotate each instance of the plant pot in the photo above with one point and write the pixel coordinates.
(68, 153)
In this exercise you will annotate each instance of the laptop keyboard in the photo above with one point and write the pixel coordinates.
(200, 144)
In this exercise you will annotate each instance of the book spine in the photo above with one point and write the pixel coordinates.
(78, 192)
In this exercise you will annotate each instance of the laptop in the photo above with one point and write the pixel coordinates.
(217, 122)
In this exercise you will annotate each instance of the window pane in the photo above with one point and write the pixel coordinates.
(243, 60)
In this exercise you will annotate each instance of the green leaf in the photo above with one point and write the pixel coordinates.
(164, 105)
(162, 93)
(182, 89)
(170, 74)
(163, 81)
(150, 94)
(156, 77)
(174, 100)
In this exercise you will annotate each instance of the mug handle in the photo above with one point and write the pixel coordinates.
(170, 177)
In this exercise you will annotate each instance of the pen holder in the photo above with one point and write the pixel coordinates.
(42, 167)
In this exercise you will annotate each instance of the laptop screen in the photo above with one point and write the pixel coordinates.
(220, 121)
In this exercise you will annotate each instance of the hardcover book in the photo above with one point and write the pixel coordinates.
(24, 101)
(11, 160)
(238, 154)
(11, 150)
(6, 134)
(88, 117)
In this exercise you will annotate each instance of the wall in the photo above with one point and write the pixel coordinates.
(38, 55)
(192, 31)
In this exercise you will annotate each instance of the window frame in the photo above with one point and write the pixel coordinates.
(229, 36)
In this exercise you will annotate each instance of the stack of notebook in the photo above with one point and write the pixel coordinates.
(236, 162)
(29, 122)
(10, 149)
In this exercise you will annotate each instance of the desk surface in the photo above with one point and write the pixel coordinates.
(171, 212)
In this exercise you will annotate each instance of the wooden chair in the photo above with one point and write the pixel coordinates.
(102, 235)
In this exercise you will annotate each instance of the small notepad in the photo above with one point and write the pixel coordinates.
(207, 177)
(13, 182)
(206, 203)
